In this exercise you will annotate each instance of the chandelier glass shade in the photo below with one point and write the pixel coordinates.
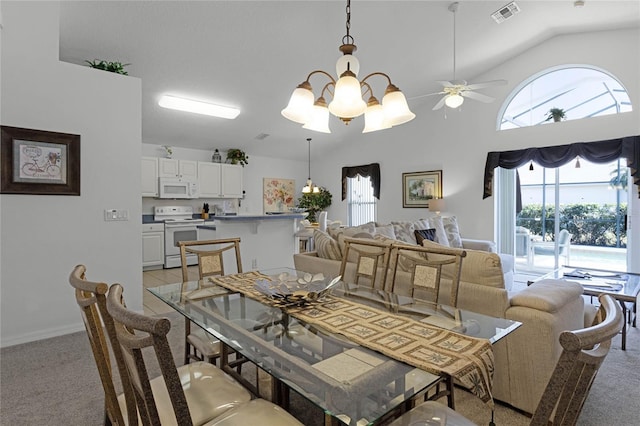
(347, 96)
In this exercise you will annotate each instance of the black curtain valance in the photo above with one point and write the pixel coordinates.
(369, 170)
(556, 156)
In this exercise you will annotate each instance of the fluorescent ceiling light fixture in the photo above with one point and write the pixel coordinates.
(198, 107)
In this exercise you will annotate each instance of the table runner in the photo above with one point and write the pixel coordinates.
(436, 350)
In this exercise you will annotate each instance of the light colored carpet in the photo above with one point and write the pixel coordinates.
(54, 382)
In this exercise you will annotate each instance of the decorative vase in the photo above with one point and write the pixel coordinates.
(216, 157)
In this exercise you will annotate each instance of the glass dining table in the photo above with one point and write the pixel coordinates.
(351, 383)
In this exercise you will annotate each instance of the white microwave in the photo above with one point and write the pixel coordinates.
(178, 188)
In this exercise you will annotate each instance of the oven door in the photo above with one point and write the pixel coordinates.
(174, 233)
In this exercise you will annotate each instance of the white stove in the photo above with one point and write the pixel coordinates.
(179, 225)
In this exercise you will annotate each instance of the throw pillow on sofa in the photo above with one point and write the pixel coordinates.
(451, 229)
(386, 230)
(425, 234)
(326, 246)
(480, 267)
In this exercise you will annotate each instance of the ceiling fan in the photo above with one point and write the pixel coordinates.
(455, 91)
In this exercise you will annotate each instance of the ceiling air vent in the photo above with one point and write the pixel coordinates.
(262, 136)
(505, 12)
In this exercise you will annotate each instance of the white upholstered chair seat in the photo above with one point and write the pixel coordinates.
(206, 344)
(256, 412)
(209, 392)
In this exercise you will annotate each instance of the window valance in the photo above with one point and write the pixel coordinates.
(556, 156)
(369, 170)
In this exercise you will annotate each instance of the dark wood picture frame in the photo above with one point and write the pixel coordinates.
(420, 187)
(39, 162)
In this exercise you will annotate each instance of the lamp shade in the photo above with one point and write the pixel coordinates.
(395, 108)
(436, 205)
(374, 118)
(454, 101)
(347, 99)
(319, 118)
(349, 62)
(299, 107)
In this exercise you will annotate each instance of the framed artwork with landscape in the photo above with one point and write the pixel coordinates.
(39, 162)
(420, 187)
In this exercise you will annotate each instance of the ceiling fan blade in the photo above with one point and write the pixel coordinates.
(440, 103)
(474, 86)
(424, 96)
(477, 96)
(445, 83)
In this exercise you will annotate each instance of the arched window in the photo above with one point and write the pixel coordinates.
(580, 91)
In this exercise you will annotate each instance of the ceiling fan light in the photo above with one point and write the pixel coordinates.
(347, 98)
(300, 104)
(395, 107)
(319, 117)
(454, 101)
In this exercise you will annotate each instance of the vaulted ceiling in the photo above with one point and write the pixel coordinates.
(252, 54)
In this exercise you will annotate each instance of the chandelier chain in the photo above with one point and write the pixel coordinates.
(347, 39)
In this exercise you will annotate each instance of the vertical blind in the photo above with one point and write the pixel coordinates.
(361, 203)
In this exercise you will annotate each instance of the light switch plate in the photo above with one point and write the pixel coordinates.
(111, 215)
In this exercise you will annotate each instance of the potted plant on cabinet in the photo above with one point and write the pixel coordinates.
(557, 114)
(315, 202)
(237, 156)
(115, 67)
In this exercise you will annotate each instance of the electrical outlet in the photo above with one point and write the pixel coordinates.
(111, 215)
(254, 263)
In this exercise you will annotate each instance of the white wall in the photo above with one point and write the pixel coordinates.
(458, 143)
(44, 237)
(254, 172)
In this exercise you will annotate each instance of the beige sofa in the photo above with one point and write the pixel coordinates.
(524, 360)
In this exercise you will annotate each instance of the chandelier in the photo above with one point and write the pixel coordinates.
(310, 187)
(347, 95)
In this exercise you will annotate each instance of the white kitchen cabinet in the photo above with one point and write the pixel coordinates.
(152, 245)
(231, 181)
(218, 180)
(149, 176)
(170, 167)
(209, 179)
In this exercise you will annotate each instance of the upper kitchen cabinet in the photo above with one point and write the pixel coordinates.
(209, 179)
(149, 177)
(231, 181)
(170, 167)
(219, 180)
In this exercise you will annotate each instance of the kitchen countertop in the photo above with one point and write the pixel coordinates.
(240, 218)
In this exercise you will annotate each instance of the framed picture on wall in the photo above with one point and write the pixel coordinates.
(420, 187)
(278, 195)
(39, 162)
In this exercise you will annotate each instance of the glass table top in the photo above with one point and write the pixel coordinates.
(348, 381)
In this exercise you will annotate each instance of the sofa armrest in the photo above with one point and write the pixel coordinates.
(482, 245)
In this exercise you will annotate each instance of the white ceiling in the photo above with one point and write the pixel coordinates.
(252, 54)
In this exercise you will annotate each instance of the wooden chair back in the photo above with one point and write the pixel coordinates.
(371, 255)
(210, 262)
(425, 265)
(135, 333)
(91, 298)
(583, 352)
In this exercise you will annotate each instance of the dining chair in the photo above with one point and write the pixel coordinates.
(426, 265)
(200, 345)
(582, 355)
(198, 393)
(91, 298)
(368, 255)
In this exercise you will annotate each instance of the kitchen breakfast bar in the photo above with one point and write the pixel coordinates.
(267, 240)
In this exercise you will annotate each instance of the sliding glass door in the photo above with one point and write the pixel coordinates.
(570, 215)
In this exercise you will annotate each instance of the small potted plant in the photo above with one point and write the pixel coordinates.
(557, 114)
(237, 156)
(115, 67)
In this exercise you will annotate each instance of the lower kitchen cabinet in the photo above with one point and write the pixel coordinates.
(152, 246)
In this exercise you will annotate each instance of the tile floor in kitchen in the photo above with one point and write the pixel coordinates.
(153, 305)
